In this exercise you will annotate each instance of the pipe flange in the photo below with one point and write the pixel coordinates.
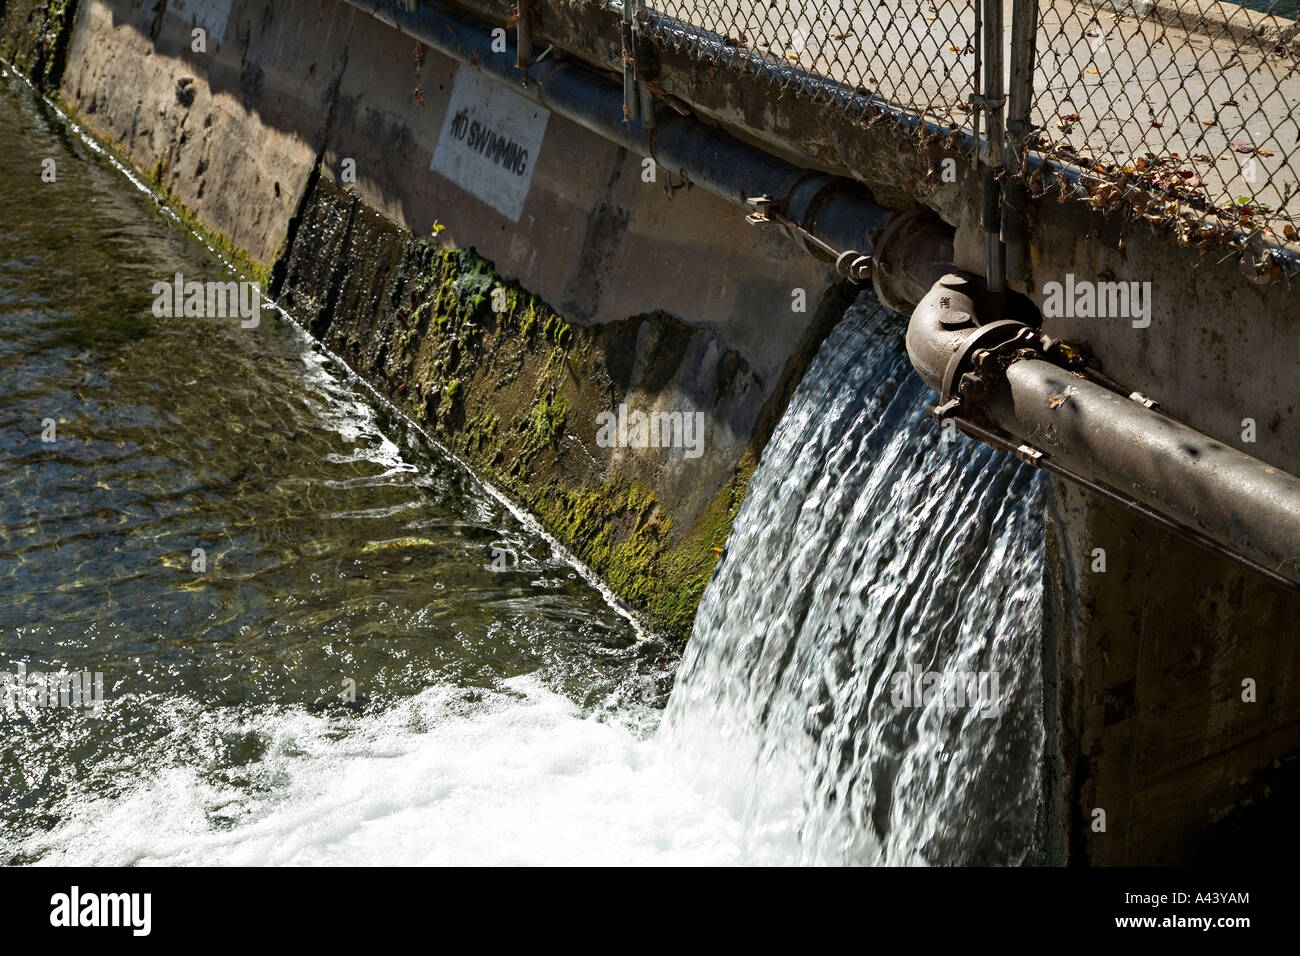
(910, 254)
(986, 337)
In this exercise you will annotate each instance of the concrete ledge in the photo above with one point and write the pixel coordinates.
(1214, 18)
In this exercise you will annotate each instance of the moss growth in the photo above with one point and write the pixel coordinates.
(689, 566)
(35, 38)
(619, 527)
(557, 331)
(548, 418)
(522, 359)
(509, 384)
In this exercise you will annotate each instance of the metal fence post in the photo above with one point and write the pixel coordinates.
(994, 156)
(631, 91)
(1024, 34)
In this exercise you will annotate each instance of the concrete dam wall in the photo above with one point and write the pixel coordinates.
(607, 298)
(507, 277)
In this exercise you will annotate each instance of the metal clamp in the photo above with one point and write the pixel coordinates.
(761, 206)
(983, 357)
(979, 101)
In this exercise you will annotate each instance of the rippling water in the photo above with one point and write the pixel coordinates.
(342, 549)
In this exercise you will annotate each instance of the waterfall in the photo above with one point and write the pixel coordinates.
(862, 684)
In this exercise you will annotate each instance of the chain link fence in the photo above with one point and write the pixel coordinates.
(897, 58)
(1182, 111)
(1185, 112)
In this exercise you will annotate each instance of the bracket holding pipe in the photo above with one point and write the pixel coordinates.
(524, 34)
(851, 264)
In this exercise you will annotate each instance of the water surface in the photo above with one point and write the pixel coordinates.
(347, 654)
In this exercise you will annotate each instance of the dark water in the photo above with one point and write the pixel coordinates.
(342, 550)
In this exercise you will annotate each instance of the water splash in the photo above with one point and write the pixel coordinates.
(870, 546)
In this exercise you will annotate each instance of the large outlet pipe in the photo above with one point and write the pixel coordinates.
(836, 214)
(1010, 384)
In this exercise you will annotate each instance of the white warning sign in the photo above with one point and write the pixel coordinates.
(489, 142)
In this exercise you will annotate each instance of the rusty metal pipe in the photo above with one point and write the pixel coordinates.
(997, 375)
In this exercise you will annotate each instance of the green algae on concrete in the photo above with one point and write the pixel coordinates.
(34, 38)
(510, 385)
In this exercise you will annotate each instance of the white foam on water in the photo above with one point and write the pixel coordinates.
(513, 778)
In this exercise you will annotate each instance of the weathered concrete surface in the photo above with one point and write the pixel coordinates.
(595, 239)
(231, 133)
(1150, 658)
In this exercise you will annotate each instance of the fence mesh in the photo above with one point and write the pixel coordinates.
(1192, 102)
(1185, 111)
(906, 58)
